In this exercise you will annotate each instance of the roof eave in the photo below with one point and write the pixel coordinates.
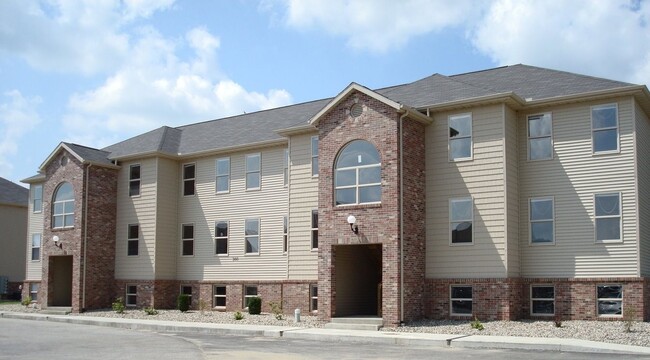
(510, 98)
(34, 179)
(296, 130)
(639, 91)
(243, 147)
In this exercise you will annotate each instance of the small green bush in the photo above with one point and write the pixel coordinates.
(150, 311)
(276, 309)
(183, 302)
(239, 316)
(255, 305)
(476, 324)
(26, 301)
(118, 305)
(558, 321)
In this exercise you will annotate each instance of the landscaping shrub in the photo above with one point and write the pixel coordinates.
(183, 302)
(255, 305)
(118, 305)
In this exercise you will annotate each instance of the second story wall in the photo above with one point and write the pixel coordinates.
(642, 126)
(166, 249)
(35, 226)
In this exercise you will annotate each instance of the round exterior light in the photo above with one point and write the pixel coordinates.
(351, 219)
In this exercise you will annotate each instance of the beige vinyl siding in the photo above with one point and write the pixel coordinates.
(512, 192)
(13, 224)
(572, 178)
(481, 178)
(269, 205)
(34, 226)
(303, 198)
(643, 186)
(167, 219)
(136, 210)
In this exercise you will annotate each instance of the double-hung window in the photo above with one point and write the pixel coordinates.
(131, 295)
(461, 300)
(134, 180)
(540, 137)
(461, 213)
(221, 237)
(542, 300)
(33, 291)
(314, 156)
(253, 172)
(187, 239)
(314, 229)
(36, 247)
(285, 237)
(250, 291)
(37, 198)
(252, 236)
(610, 300)
(357, 176)
(460, 137)
(604, 128)
(189, 179)
(187, 290)
(313, 297)
(219, 293)
(607, 209)
(541, 221)
(132, 240)
(223, 175)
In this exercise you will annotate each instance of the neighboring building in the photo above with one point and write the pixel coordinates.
(13, 230)
(514, 192)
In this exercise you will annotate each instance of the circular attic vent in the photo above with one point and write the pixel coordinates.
(64, 161)
(356, 110)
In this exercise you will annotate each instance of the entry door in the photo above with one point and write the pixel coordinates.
(61, 285)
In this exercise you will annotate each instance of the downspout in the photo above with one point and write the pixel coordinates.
(83, 283)
(401, 214)
(288, 214)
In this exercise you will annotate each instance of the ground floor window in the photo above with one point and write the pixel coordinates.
(461, 300)
(131, 295)
(610, 300)
(313, 297)
(542, 300)
(219, 296)
(33, 291)
(250, 291)
(187, 290)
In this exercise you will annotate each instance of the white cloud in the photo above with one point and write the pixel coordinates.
(17, 117)
(603, 38)
(378, 25)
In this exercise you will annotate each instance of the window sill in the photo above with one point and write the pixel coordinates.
(608, 242)
(221, 255)
(252, 254)
(356, 206)
(253, 189)
(460, 244)
(63, 228)
(461, 160)
(538, 160)
(222, 192)
(604, 153)
(541, 243)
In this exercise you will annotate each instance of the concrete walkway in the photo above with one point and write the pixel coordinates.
(355, 336)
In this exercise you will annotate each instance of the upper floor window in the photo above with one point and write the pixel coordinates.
(460, 137)
(134, 180)
(37, 198)
(461, 214)
(541, 221)
(187, 239)
(314, 229)
(540, 137)
(189, 179)
(36, 247)
(314, 156)
(252, 235)
(607, 209)
(604, 128)
(132, 240)
(253, 171)
(221, 238)
(223, 175)
(285, 235)
(357, 176)
(63, 206)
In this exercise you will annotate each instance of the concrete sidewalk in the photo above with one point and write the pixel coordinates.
(355, 336)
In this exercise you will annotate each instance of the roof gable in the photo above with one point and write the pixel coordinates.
(85, 155)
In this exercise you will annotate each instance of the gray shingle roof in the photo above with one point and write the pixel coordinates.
(11, 193)
(525, 81)
(90, 154)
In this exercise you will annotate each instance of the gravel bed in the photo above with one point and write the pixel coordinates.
(604, 331)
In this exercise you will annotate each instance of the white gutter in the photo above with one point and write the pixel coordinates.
(401, 214)
(83, 284)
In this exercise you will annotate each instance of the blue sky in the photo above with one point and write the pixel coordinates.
(95, 72)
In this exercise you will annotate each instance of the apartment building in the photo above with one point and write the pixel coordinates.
(513, 192)
(13, 227)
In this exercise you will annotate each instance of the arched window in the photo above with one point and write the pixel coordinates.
(63, 206)
(357, 174)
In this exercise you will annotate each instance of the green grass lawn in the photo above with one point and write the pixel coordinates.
(9, 302)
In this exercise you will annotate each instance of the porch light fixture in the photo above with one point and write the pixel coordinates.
(353, 227)
(57, 242)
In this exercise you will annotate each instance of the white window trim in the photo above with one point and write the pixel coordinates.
(285, 167)
(285, 234)
(184, 180)
(217, 175)
(528, 137)
(311, 150)
(541, 299)
(259, 157)
(259, 237)
(227, 237)
(139, 180)
(530, 221)
(452, 299)
(127, 293)
(33, 291)
(620, 218)
(312, 228)
(356, 185)
(215, 296)
(449, 229)
(618, 131)
(129, 239)
(245, 297)
(611, 299)
(63, 214)
(192, 239)
(40, 209)
(40, 248)
(470, 136)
